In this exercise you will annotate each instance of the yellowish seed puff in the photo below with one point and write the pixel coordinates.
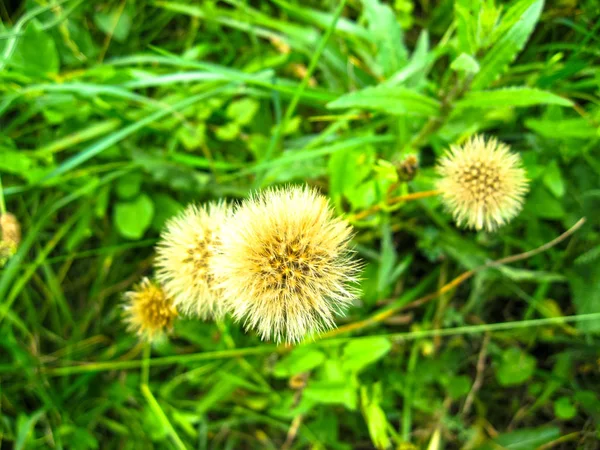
(149, 312)
(284, 266)
(482, 183)
(10, 236)
(183, 256)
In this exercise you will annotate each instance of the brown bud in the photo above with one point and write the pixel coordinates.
(407, 169)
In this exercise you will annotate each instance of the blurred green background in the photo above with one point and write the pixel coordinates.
(116, 114)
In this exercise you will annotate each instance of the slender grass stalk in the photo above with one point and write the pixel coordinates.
(2, 203)
(226, 354)
(162, 417)
(312, 65)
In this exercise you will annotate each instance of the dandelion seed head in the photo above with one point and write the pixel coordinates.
(284, 266)
(149, 312)
(183, 256)
(482, 183)
(10, 236)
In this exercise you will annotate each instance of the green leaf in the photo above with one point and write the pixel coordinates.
(527, 438)
(228, 132)
(192, 137)
(347, 169)
(166, 207)
(242, 111)
(389, 99)
(553, 179)
(564, 408)
(458, 386)
(387, 36)
(375, 416)
(133, 218)
(129, 185)
(35, 51)
(515, 367)
(331, 393)
(298, 361)
(465, 63)
(358, 354)
(116, 22)
(563, 129)
(466, 13)
(585, 287)
(16, 162)
(515, 96)
(506, 49)
(543, 204)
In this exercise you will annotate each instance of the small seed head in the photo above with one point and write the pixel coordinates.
(149, 312)
(482, 183)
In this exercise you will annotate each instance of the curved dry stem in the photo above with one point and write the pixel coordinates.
(386, 313)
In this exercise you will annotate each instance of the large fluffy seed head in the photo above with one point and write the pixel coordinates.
(482, 183)
(149, 312)
(183, 256)
(284, 265)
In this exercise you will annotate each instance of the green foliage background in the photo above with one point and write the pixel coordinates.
(116, 114)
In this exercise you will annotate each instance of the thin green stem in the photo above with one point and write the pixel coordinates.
(312, 65)
(2, 203)
(225, 354)
(160, 414)
(145, 376)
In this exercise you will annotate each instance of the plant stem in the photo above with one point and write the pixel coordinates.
(312, 65)
(2, 203)
(395, 200)
(386, 313)
(160, 414)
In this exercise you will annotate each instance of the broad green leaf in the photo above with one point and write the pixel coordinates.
(242, 111)
(506, 49)
(347, 169)
(389, 99)
(465, 63)
(563, 129)
(166, 207)
(361, 352)
(15, 161)
(129, 185)
(192, 137)
(585, 287)
(466, 13)
(515, 367)
(543, 204)
(35, 51)
(374, 415)
(387, 36)
(517, 96)
(332, 393)
(116, 23)
(133, 218)
(553, 179)
(527, 438)
(228, 132)
(299, 360)
(415, 72)
(564, 408)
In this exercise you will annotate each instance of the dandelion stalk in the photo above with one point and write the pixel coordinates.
(394, 201)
